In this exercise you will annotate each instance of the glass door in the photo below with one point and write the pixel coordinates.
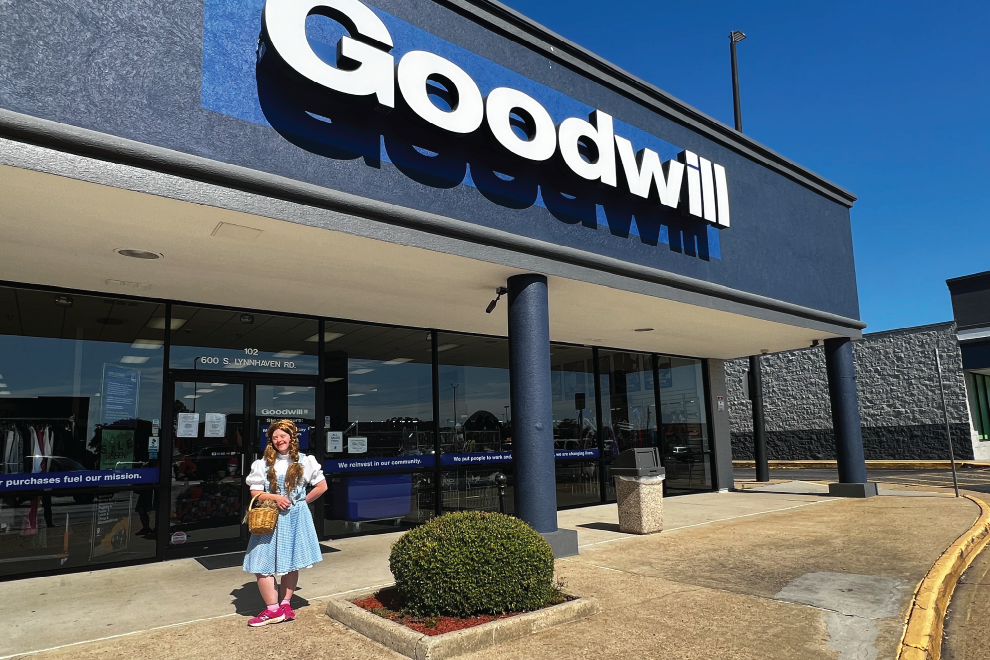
(209, 429)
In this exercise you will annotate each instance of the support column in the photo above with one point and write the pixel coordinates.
(759, 423)
(532, 411)
(846, 426)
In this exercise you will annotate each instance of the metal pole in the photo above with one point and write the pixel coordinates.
(948, 433)
(737, 107)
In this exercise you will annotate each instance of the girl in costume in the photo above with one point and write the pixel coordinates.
(282, 476)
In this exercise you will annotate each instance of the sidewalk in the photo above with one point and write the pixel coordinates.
(714, 584)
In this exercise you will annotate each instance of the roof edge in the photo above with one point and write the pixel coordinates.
(498, 17)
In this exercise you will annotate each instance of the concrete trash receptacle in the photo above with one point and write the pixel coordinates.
(639, 490)
(640, 501)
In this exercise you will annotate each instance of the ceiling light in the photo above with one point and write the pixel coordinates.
(191, 396)
(356, 394)
(64, 301)
(247, 319)
(219, 384)
(327, 336)
(287, 393)
(205, 391)
(287, 354)
(331, 380)
(5, 393)
(446, 347)
(158, 323)
(360, 372)
(398, 361)
(138, 254)
(134, 359)
(643, 330)
(147, 344)
(3, 385)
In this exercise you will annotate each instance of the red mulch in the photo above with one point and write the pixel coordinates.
(391, 609)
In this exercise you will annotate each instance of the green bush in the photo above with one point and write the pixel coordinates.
(467, 563)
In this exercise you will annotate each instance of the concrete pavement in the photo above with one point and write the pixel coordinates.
(725, 579)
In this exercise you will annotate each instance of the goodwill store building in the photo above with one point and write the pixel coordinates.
(218, 213)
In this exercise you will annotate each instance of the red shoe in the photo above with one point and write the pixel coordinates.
(267, 616)
(289, 614)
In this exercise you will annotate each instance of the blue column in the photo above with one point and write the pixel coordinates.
(532, 411)
(846, 425)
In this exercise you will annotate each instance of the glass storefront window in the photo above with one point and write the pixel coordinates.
(378, 398)
(629, 418)
(475, 412)
(474, 489)
(61, 530)
(575, 415)
(80, 391)
(363, 503)
(685, 445)
(237, 341)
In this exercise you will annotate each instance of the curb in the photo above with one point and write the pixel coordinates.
(922, 638)
(418, 646)
(874, 464)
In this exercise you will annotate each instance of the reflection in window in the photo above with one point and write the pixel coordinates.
(378, 392)
(236, 341)
(475, 415)
(80, 383)
(629, 419)
(685, 446)
(51, 531)
(359, 504)
(572, 380)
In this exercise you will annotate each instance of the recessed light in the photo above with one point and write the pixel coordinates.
(356, 394)
(398, 361)
(147, 344)
(191, 396)
(205, 391)
(138, 254)
(4, 393)
(327, 336)
(63, 301)
(331, 380)
(247, 319)
(219, 384)
(360, 372)
(446, 347)
(287, 354)
(158, 323)
(643, 330)
(134, 359)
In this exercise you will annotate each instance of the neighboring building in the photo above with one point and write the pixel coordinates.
(971, 309)
(899, 399)
(204, 231)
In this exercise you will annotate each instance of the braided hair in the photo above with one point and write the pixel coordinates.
(294, 476)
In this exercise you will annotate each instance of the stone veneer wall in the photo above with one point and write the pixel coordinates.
(899, 399)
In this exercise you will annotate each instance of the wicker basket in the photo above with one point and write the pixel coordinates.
(261, 519)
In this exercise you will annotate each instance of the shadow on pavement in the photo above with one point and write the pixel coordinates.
(247, 600)
(603, 526)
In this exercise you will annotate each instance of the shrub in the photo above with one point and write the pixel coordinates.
(467, 563)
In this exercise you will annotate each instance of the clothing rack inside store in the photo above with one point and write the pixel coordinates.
(71, 419)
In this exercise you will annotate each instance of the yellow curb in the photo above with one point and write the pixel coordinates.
(922, 637)
(875, 464)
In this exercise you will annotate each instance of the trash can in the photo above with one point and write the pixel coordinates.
(639, 490)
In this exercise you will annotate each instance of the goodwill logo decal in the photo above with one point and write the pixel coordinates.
(588, 150)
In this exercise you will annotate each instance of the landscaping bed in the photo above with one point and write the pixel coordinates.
(388, 604)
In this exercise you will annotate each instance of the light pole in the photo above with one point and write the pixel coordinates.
(735, 37)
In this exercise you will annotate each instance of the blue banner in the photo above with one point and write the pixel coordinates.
(477, 458)
(120, 393)
(87, 479)
(365, 464)
(574, 454)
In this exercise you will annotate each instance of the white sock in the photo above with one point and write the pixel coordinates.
(273, 608)
(285, 601)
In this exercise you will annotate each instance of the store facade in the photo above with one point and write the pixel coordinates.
(373, 219)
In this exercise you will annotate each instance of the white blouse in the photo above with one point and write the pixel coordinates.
(258, 478)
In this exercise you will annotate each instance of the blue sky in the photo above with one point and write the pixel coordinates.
(890, 100)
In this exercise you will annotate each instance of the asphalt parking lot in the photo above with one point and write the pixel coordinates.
(973, 479)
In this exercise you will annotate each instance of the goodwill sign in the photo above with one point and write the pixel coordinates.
(587, 149)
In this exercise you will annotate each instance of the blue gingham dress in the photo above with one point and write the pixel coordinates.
(293, 545)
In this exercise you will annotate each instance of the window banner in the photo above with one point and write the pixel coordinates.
(384, 463)
(476, 458)
(121, 387)
(574, 454)
(80, 479)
